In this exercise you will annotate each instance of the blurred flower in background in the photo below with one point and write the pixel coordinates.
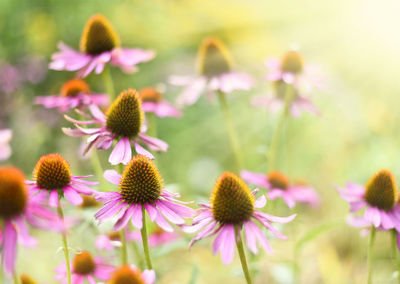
(5, 149)
(154, 101)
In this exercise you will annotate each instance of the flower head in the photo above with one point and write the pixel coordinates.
(153, 101)
(85, 266)
(74, 93)
(279, 185)
(26, 279)
(5, 149)
(17, 207)
(378, 197)
(140, 189)
(132, 275)
(52, 176)
(99, 45)
(214, 65)
(123, 122)
(233, 207)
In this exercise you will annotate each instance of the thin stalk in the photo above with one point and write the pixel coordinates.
(98, 169)
(124, 250)
(138, 255)
(242, 255)
(152, 120)
(17, 280)
(108, 82)
(145, 241)
(395, 253)
(65, 244)
(273, 148)
(231, 130)
(370, 254)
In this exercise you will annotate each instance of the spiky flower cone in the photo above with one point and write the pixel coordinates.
(213, 58)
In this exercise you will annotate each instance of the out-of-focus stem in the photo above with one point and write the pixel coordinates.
(65, 244)
(108, 82)
(17, 280)
(231, 130)
(395, 253)
(145, 241)
(273, 148)
(370, 254)
(98, 169)
(124, 251)
(242, 255)
(152, 124)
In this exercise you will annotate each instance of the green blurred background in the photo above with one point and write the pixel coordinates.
(355, 42)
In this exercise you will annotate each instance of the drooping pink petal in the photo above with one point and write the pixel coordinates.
(123, 221)
(153, 143)
(225, 243)
(112, 176)
(141, 151)
(122, 152)
(149, 276)
(191, 92)
(72, 196)
(373, 215)
(255, 178)
(9, 253)
(137, 216)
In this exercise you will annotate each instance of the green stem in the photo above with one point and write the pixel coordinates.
(98, 169)
(65, 244)
(138, 255)
(370, 254)
(108, 82)
(242, 255)
(152, 124)
(231, 130)
(124, 251)
(17, 279)
(395, 253)
(145, 241)
(273, 148)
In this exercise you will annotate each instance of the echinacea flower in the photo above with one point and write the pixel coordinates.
(74, 93)
(5, 149)
(130, 274)
(99, 45)
(85, 266)
(52, 177)
(124, 123)
(279, 185)
(26, 279)
(153, 101)
(17, 207)
(378, 197)
(140, 189)
(276, 101)
(232, 209)
(216, 74)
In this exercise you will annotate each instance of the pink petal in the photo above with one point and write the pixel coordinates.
(122, 152)
(225, 243)
(112, 176)
(255, 178)
(9, 247)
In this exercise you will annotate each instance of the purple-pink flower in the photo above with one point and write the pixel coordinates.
(379, 199)
(5, 149)
(141, 189)
(85, 267)
(100, 45)
(124, 123)
(153, 101)
(131, 274)
(232, 209)
(18, 206)
(74, 93)
(216, 74)
(278, 185)
(52, 177)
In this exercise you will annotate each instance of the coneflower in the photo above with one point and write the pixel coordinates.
(154, 101)
(100, 45)
(5, 149)
(85, 266)
(382, 212)
(124, 123)
(52, 177)
(232, 210)
(74, 93)
(141, 190)
(18, 206)
(132, 275)
(26, 279)
(279, 185)
(215, 74)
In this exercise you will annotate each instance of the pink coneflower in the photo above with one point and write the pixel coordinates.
(232, 209)
(279, 185)
(5, 149)
(141, 189)
(124, 123)
(74, 93)
(276, 101)
(216, 75)
(153, 101)
(18, 207)
(99, 45)
(52, 176)
(378, 197)
(130, 274)
(85, 267)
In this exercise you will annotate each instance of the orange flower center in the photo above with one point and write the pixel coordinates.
(278, 180)
(84, 263)
(213, 58)
(13, 193)
(74, 87)
(52, 171)
(381, 190)
(150, 94)
(126, 275)
(292, 62)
